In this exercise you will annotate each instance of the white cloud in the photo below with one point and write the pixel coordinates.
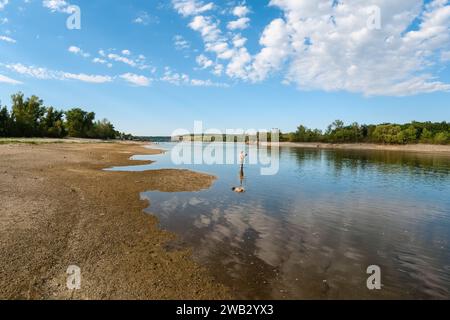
(87, 78)
(78, 51)
(179, 79)
(135, 79)
(5, 79)
(4, 20)
(34, 72)
(57, 6)
(102, 61)
(46, 74)
(276, 48)
(239, 41)
(180, 43)
(7, 39)
(99, 60)
(331, 47)
(207, 27)
(3, 4)
(212, 36)
(227, 47)
(207, 83)
(204, 62)
(191, 7)
(175, 78)
(218, 69)
(74, 49)
(241, 11)
(144, 18)
(239, 24)
(116, 57)
(243, 22)
(326, 45)
(238, 66)
(140, 20)
(125, 57)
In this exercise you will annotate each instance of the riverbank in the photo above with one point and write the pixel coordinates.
(59, 209)
(427, 148)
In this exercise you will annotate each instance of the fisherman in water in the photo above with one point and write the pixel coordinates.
(241, 189)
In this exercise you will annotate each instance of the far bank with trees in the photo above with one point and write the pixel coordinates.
(387, 133)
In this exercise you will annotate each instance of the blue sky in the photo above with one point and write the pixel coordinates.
(154, 66)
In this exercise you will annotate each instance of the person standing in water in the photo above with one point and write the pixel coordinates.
(242, 157)
(241, 189)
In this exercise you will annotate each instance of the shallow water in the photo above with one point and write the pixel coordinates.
(312, 230)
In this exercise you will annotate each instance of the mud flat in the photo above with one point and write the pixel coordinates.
(58, 208)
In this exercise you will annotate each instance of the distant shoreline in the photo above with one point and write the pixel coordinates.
(418, 148)
(426, 148)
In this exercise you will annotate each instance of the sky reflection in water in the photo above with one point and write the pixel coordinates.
(312, 230)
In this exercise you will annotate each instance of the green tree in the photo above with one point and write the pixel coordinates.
(387, 134)
(53, 124)
(442, 138)
(426, 136)
(408, 135)
(301, 134)
(104, 130)
(80, 123)
(27, 115)
(304, 134)
(337, 124)
(5, 122)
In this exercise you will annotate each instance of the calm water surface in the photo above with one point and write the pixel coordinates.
(312, 230)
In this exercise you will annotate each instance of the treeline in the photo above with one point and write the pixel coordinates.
(30, 118)
(410, 133)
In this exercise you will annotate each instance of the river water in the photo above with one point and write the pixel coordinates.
(313, 229)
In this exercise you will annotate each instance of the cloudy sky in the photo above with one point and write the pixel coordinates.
(153, 66)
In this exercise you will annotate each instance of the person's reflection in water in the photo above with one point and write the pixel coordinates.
(240, 189)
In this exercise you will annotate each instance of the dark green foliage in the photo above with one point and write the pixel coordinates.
(52, 125)
(27, 115)
(442, 138)
(306, 135)
(80, 123)
(104, 130)
(5, 122)
(338, 132)
(30, 118)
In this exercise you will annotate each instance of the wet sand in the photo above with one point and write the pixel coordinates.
(58, 208)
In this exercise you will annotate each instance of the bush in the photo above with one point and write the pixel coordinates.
(426, 136)
(390, 134)
(442, 138)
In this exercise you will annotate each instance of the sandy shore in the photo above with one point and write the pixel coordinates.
(58, 208)
(428, 148)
